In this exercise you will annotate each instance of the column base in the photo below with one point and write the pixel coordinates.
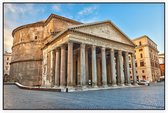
(105, 86)
(84, 87)
(79, 85)
(135, 84)
(56, 87)
(122, 85)
(69, 87)
(95, 86)
(114, 85)
(62, 87)
(129, 84)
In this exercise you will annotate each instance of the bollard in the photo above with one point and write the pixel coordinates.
(67, 90)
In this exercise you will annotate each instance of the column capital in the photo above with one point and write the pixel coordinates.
(52, 51)
(93, 46)
(82, 45)
(57, 49)
(119, 52)
(63, 46)
(133, 54)
(111, 49)
(70, 42)
(103, 49)
(126, 52)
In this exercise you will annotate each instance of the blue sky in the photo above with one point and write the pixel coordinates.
(134, 20)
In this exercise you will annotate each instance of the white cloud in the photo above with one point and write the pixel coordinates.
(89, 20)
(8, 40)
(19, 9)
(56, 7)
(14, 16)
(87, 10)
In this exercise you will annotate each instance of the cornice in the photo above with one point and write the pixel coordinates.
(146, 45)
(144, 36)
(27, 60)
(62, 18)
(44, 23)
(67, 31)
(37, 24)
(25, 43)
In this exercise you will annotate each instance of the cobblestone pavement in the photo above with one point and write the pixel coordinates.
(144, 97)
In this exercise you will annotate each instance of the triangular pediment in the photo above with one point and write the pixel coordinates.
(105, 30)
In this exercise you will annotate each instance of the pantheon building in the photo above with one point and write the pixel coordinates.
(64, 54)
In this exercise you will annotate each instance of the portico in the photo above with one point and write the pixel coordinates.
(74, 58)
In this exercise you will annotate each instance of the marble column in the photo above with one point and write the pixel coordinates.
(52, 67)
(94, 68)
(108, 66)
(48, 76)
(70, 65)
(121, 67)
(118, 69)
(133, 69)
(57, 68)
(87, 67)
(78, 69)
(62, 68)
(126, 65)
(98, 71)
(104, 71)
(74, 70)
(113, 69)
(82, 65)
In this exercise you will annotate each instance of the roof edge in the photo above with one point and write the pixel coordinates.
(43, 23)
(101, 22)
(143, 37)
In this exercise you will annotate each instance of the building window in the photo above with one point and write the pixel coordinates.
(6, 63)
(135, 64)
(6, 68)
(142, 63)
(129, 65)
(7, 58)
(140, 49)
(143, 71)
(136, 71)
(137, 78)
(140, 43)
(35, 37)
(144, 77)
(130, 72)
(156, 64)
(141, 55)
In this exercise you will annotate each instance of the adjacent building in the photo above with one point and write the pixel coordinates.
(146, 59)
(162, 64)
(7, 61)
(63, 53)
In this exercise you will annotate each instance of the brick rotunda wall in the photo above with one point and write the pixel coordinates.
(26, 59)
